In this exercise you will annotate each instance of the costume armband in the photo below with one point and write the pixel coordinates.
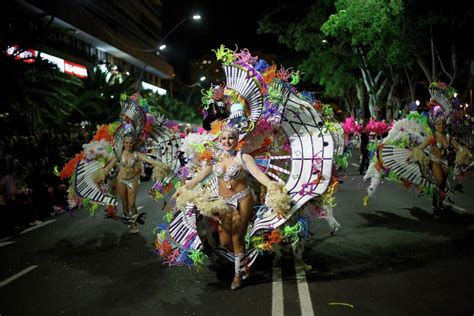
(160, 170)
(419, 156)
(99, 176)
(205, 204)
(463, 156)
(278, 198)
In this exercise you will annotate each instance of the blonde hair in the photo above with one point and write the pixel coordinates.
(234, 131)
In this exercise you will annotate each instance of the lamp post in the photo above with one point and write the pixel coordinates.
(197, 83)
(161, 45)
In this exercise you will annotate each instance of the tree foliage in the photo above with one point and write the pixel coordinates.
(38, 95)
(385, 44)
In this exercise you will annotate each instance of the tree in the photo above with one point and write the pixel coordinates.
(372, 27)
(39, 94)
(443, 38)
(330, 63)
(178, 110)
(98, 102)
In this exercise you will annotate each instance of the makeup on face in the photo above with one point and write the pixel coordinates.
(228, 140)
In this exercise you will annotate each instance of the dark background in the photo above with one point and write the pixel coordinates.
(222, 22)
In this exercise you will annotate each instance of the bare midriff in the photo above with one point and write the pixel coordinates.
(237, 185)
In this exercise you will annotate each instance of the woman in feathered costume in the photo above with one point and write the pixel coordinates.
(271, 134)
(115, 145)
(442, 150)
(413, 155)
(234, 205)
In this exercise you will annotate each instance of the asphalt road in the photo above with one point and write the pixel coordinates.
(391, 257)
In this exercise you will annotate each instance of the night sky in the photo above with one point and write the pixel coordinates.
(222, 23)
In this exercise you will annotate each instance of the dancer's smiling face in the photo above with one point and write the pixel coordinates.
(128, 144)
(440, 126)
(228, 140)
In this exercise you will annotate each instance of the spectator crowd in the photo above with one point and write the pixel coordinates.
(30, 191)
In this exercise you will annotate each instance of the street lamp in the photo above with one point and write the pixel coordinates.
(197, 83)
(161, 45)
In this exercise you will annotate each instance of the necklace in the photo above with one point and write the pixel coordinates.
(231, 152)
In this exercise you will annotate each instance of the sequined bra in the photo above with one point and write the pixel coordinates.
(443, 147)
(235, 172)
(129, 163)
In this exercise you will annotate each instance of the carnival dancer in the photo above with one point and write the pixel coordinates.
(442, 151)
(130, 165)
(416, 156)
(116, 145)
(272, 133)
(232, 168)
(352, 132)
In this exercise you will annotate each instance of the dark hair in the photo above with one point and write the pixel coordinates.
(206, 123)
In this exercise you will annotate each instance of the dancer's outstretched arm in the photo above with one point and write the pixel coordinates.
(205, 172)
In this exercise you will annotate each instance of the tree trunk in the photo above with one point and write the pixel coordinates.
(391, 103)
(363, 109)
(374, 85)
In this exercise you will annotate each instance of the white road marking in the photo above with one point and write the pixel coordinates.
(277, 292)
(355, 165)
(139, 207)
(4, 243)
(16, 276)
(461, 209)
(37, 226)
(303, 291)
(6, 238)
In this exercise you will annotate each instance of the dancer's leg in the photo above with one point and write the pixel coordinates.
(122, 192)
(225, 231)
(240, 222)
(132, 196)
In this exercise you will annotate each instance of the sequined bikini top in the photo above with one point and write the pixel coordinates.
(443, 147)
(129, 163)
(234, 172)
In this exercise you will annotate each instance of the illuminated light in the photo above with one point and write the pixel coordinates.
(202, 78)
(417, 102)
(55, 60)
(112, 96)
(324, 41)
(75, 69)
(455, 94)
(467, 105)
(155, 89)
(196, 17)
(27, 56)
(162, 47)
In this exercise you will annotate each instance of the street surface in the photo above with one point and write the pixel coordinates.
(391, 257)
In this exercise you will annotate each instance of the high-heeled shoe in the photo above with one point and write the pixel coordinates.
(236, 283)
(133, 229)
(245, 274)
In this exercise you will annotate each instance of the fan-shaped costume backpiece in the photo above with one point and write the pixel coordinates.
(288, 140)
(88, 171)
(406, 154)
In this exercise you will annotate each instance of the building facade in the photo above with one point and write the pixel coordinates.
(122, 34)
